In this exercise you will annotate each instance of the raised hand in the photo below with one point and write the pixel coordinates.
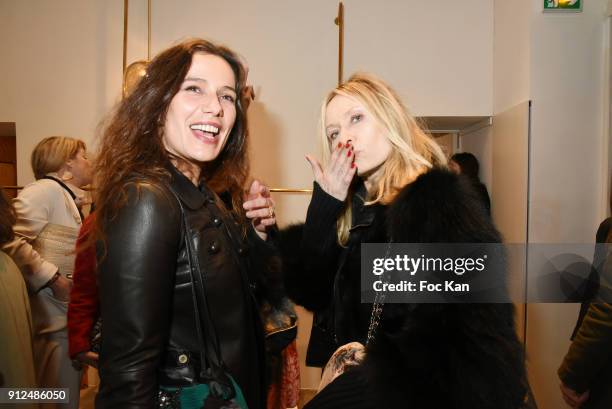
(260, 208)
(336, 178)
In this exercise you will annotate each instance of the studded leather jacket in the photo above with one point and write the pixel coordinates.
(149, 334)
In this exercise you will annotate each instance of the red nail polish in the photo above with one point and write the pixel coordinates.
(353, 165)
(339, 144)
(349, 153)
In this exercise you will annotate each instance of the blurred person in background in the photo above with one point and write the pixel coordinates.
(48, 220)
(16, 360)
(586, 370)
(465, 163)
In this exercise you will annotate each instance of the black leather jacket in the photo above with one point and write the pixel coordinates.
(149, 335)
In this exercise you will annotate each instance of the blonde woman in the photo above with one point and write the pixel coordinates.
(385, 179)
(48, 220)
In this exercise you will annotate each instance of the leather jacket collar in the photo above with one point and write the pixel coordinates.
(193, 197)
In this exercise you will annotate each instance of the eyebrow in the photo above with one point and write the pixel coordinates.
(347, 113)
(197, 79)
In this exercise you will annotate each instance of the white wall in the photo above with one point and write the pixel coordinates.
(511, 53)
(438, 54)
(567, 117)
(566, 178)
(61, 69)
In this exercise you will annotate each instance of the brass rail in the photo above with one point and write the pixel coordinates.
(273, 190)
(283, 190)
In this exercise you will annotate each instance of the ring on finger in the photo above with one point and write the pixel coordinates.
(271, 212)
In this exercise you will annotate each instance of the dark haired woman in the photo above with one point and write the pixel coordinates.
(178, 268)
(464, 163)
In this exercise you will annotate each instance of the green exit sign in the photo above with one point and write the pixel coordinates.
(562, 5)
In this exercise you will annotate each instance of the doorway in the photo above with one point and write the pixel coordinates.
(8, 158)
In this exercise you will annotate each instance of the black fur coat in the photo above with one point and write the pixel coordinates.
(425, 355)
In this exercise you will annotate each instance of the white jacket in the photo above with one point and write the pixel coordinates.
(39, 204)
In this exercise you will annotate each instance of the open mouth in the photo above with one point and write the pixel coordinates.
(206, 131)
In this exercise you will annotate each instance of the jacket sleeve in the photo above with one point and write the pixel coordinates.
(310, 252)
(599, 258)
(591, 290)
(266, 267)
(136, 275)
(84, 302)
(32, 207)
(590, 350)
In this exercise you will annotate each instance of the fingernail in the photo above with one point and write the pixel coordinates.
(353, 165)
(348, 144)
(339, 144)
(349, 153)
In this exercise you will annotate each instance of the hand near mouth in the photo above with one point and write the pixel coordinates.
(336, 178)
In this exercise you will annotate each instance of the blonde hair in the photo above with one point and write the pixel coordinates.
(52, 153)
(413, 153)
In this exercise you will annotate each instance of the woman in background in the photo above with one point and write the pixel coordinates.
(16, 360)
(464, 163)
(48, 221)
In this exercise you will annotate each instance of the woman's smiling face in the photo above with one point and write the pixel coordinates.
(202, 113)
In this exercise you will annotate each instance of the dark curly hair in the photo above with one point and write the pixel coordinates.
(131, 144)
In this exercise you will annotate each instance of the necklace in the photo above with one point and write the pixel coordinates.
(377, 307)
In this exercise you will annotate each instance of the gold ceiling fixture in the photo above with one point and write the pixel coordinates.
(133, 73)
